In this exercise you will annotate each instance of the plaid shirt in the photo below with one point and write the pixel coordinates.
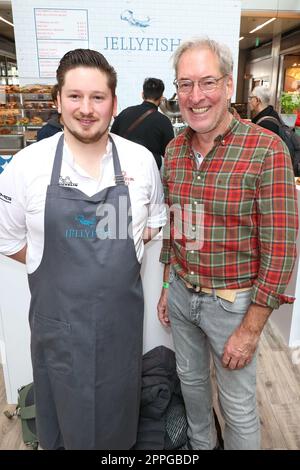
(246, 187)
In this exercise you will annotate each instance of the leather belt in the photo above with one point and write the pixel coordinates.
(226, 294)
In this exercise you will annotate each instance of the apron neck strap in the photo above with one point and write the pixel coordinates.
(119, 178)
(57, 161)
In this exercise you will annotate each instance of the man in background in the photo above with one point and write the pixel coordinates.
(259, 102)
(144, 124)
(54, 124)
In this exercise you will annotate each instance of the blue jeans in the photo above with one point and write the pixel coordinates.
(201, 324)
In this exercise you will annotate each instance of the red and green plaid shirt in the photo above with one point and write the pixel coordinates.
(246, 187)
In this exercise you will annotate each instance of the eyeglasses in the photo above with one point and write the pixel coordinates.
(207, 84)
(251, 96)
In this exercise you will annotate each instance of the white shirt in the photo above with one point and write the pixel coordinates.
(23, 186)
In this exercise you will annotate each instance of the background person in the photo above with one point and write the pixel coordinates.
(155, 130)
(54, 124)
(259, 102)
(229, 268)
(79, 218)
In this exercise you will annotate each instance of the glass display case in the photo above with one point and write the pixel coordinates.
(8, 71)
(23, 110)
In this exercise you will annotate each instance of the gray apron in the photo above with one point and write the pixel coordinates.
(86, 319)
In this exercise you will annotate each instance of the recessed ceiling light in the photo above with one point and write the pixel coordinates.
(6, 21)
(262, 25)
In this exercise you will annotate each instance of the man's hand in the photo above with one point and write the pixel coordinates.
(241, 345)
(239, 349)
(162, 308)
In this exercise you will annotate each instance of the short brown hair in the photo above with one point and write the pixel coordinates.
(86, 58)
(54, 92)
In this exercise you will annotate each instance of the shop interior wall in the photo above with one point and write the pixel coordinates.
(241, 97)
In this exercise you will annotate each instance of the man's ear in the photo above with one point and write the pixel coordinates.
(229, 87)
(115, 106)
(58, 102)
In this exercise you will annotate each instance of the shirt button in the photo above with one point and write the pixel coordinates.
(192, 273)
(195, 202)
(192, 252)
(223, 142)
(198, 177)
(193, 228)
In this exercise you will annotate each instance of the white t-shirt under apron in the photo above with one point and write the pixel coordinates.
(23, 187)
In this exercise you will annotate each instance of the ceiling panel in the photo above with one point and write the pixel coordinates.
(251, 40)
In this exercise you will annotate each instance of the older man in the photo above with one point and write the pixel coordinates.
(264, 113)
(230, 267)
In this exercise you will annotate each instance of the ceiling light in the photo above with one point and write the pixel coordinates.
(6, 21)
(241, 38)
(262, 25)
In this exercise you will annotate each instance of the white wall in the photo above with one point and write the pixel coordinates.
(136, 50)
(285, 5)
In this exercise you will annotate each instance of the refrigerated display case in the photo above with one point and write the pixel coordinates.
(23, 110)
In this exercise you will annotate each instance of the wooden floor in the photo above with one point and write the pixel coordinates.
(278, 393)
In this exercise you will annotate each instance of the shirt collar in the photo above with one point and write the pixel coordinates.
(69, 158)
(189, 132)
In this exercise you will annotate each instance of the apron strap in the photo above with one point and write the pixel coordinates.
(57, 161)
(119, 177)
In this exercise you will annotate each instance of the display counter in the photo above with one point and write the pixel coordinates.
(23, 111)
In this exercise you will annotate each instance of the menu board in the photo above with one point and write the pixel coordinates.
(57, 32)
(137, 38)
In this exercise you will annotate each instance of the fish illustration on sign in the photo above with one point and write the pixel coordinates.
(127, 15)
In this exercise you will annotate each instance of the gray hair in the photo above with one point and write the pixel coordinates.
(263, 93)
(222, 52)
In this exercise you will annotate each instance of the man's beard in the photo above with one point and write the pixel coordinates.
(92, 139)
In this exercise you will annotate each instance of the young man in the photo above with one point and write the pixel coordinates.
(144, 124)
(231, 263)
(78, 208)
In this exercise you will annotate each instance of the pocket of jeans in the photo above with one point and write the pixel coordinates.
(240, 304)
(173, 276)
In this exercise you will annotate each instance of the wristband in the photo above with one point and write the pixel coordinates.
(166, 285)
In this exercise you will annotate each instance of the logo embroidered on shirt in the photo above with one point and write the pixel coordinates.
(127, 179)
(5, 198)
(66, 181)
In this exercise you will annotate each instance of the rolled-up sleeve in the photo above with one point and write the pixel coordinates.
(277, 228)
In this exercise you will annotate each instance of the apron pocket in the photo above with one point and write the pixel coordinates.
(51, 344)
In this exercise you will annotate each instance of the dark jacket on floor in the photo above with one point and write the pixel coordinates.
(160, 387)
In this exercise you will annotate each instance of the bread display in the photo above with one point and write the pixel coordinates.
(24, 109)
